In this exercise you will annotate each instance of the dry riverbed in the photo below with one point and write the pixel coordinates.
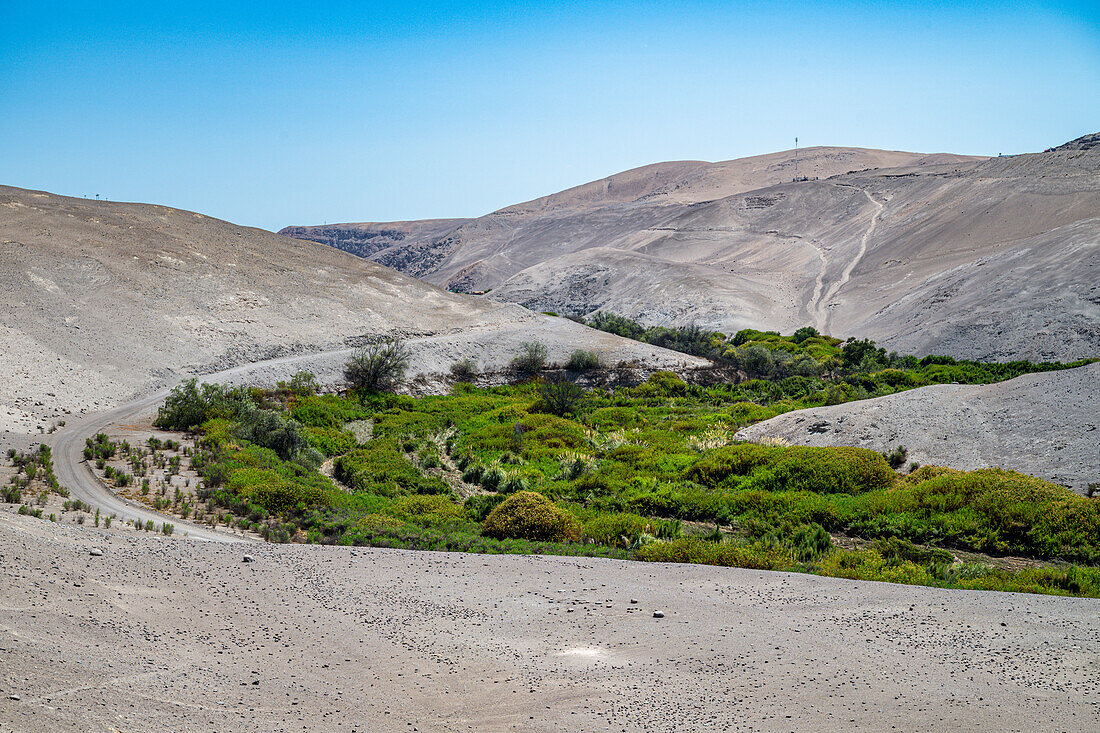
(162, 633)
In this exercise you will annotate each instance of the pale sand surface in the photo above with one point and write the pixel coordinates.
(170, 634)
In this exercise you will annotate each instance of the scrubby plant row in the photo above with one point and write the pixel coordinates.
(808, 353)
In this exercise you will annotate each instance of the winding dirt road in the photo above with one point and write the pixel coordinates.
(75, 474)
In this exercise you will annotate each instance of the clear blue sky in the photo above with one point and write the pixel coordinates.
(274, 113)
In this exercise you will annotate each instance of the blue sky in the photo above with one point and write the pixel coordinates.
(301, 113)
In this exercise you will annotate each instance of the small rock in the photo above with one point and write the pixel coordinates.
(255, 682)
(658, 614)
(248, 558)
(95, 552)
(14, 697)
(633, 600)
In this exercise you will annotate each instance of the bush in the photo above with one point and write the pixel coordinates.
(626, 530)
(303, 383)
(269, 429)
(378, 467)
(426, 511)
(809, 542)
(330, 441)
(531, 359)
(464, 370)
(531, 516)
(804, 333)
(478, 507)
(188, 405)
(896, 458)
(695, 550)
(378, 367)
(795, 468)
(993, 510)
(583, 361)
(559, 396)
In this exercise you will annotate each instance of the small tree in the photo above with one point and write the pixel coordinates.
(531, 359)
(378, 367)
(559, 396)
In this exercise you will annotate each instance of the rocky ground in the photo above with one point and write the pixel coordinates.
(167, 634)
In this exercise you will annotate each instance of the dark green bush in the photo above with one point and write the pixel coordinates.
(378, 367)
(189, 405)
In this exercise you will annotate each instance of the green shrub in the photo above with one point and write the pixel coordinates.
(378, 467)
(696, 550)
(426, 510)
(559, 396)
(531, 359)
(513, 482)
(189, 405)
(478, 507)
(897, 548)
(796, 468)
(994, 510)
(330, 441)
(808, 543)
(624, 530)
(582, 360)
(378, 367)
(492, 477)
(896, 458)
(531, 516)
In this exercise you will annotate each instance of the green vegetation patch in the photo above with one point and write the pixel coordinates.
(651, 472)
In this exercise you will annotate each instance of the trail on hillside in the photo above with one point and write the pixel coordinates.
(821, 307)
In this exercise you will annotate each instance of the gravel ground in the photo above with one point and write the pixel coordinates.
(167, 634)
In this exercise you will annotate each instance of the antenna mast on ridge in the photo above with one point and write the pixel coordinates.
(796, 159)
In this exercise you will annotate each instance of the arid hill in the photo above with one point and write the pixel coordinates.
(989, 259)
(104, 300)
(1043, 424)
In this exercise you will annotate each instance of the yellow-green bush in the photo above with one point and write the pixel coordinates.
(1003, 511)
(330, 441)
(426, 510)
(870, 565)
(611, 529)
(531, 516)
(375, 523)
(795, 468)
(695, 550)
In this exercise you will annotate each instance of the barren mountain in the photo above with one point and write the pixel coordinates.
(1043, 424)
(991, 259)
(103, 300)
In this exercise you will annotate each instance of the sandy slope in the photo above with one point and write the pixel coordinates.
(163, 634)
(1044, 425)
(107, 300)
(988, 259)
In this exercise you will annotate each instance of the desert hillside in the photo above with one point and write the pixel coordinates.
(1040, 424)
(987, 259)
(103, 300)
